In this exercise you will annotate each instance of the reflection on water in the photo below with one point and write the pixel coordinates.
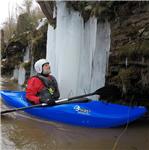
(21, 132)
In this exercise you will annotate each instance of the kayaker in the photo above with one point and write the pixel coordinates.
(43, 87)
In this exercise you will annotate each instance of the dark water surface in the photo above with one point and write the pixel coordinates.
(21, 132)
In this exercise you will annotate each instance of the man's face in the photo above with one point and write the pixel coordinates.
(46, 69)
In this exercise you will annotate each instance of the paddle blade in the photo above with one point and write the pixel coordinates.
(108, 91)
(99, 91)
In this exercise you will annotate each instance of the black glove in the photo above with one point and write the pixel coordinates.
(47, 101)
(43, 100)
(51, 102)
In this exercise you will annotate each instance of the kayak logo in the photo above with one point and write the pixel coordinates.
(81, 110)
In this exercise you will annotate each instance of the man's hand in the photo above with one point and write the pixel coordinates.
(47, 101)
(51, 102)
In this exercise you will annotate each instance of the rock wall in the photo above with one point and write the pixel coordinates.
(129, 59)
(23, 50)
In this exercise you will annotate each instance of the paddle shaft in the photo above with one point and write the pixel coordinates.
(75, 97)
(22, 108)
(99, 91)
(44, 104)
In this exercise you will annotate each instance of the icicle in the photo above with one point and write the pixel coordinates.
(21, 76)
(78, 52)
(26, 56)
(126, 62)
(32, 71)
(15, 73)
(100, 55)
(41, 23)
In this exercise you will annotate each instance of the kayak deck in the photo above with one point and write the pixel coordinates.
(95, 114)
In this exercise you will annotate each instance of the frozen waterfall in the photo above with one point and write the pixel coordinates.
(26, 55)
(19, 72)
(78, 52)
(15, 73)
(21, 75)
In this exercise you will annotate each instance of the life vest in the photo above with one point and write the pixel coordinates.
(50, 91)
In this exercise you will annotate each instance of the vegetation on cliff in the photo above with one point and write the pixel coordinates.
(23, 35)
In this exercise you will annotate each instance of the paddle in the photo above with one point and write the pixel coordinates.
(61, 101)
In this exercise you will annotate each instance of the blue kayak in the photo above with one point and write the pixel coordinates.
(96, 114)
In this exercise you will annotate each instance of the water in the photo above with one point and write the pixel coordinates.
(21, 132)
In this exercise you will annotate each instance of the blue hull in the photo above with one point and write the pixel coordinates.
(95, 114)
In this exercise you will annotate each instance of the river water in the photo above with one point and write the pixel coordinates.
(20, 132)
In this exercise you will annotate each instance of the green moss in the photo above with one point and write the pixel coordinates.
(22, 38)
(24, 23)
(102, 10)
(126, 74)
(26, 65)
(38, 41)
(127, 50)
(126, 78)
(144, 48)
(134, 50)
